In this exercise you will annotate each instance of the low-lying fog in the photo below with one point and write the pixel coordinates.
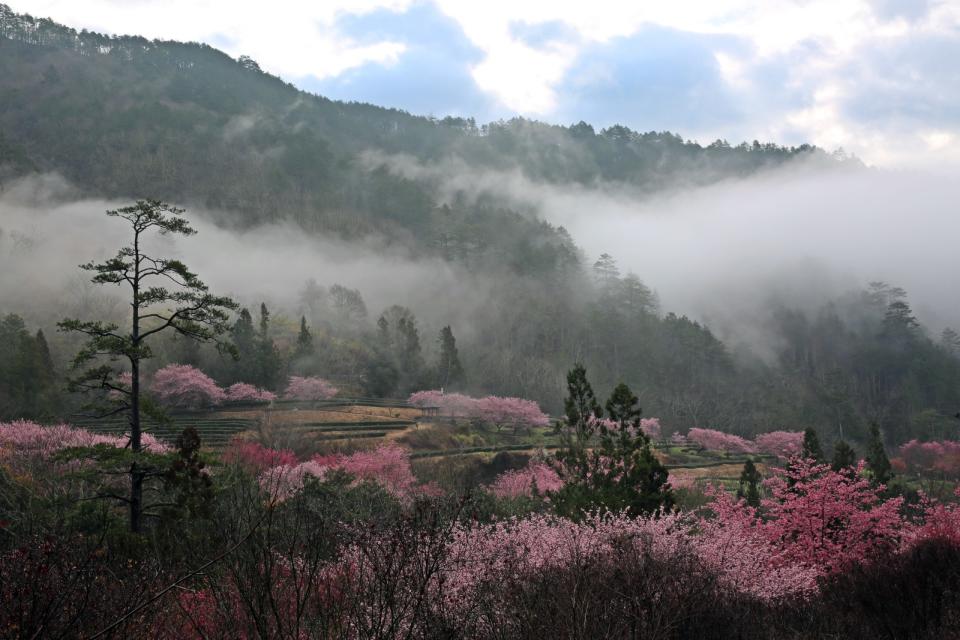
(721, 253)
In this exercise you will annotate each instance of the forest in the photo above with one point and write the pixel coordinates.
(476, 429)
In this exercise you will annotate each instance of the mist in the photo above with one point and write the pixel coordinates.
(727, 253)
(47, 231)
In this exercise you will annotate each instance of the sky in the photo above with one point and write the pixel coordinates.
(878, 78)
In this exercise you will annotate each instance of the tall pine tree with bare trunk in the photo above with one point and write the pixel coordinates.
(164, 296)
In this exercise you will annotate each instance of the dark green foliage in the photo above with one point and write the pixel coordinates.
(811, 445)
(397, 354)
(187, 309)
(304, 340)
(877, 460)
(188, 485)
(749, 486)
(449, 370)
(28, 381)
(844, 457)
(580, 407)
(607, 468)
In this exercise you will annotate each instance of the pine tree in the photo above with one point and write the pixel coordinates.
(268, 358)
(811, 445)
(877, 458)
(580, 406)
(304, 340)
(188, 309)
(449, 370)
(844, 457)
(620, 471)
(749, 488)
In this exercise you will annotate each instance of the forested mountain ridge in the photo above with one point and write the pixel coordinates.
(125, 116)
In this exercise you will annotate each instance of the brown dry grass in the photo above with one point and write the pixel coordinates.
(344, 414)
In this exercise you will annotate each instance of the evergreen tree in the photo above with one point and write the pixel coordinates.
(189, 310)
(811, 445)
(580, 407)
(877, 458)
(304, 340)
(844, 457)
(268, 358)
(749, 488)
(620, 471)
(449, 370)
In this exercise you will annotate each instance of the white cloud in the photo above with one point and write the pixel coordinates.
(291, 39)
(812, 43)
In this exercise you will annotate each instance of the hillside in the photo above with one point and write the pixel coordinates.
(124, 117)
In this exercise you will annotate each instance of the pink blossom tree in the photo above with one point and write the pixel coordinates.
(186, 387)
(816, 520)
(309, 389)
(516, 412)
(450, 404)
(256, 457)
(388, 465)
(26, 439)
(536, 476)
(497, 410)
(720, 441)
(784, 444)
(243, 392)
(929, 458)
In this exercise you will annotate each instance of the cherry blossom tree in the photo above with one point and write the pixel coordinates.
(928, 458)
(26, 439)
(720, 441)
(242, 392)
(309, 389)
(450, 404)
(516, 412)
(497, 410)
(784, 444)
(537, 477)
(186, 387)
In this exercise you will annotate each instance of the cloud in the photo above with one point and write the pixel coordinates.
(873, 76)
(431, 76)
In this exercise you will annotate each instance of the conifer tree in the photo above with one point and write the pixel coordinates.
(844, 457)
(749, 488)
(449, 370)
(188, 309)
(811, 445)
(877, 458)
(304, 340)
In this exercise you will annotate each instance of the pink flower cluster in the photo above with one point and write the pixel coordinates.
(720, 441)
(256, 457)
(25, 439)
(186, 387)
(649, 426)
(242, 391)
(941, 457)
(521, 482)
(784, 444)
(388, 465)
(450, 404)
(817, 522)
(495, 410)
(309, 389)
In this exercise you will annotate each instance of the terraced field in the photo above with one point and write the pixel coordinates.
(321, 421)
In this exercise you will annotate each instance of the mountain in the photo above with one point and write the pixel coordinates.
(125, 117)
